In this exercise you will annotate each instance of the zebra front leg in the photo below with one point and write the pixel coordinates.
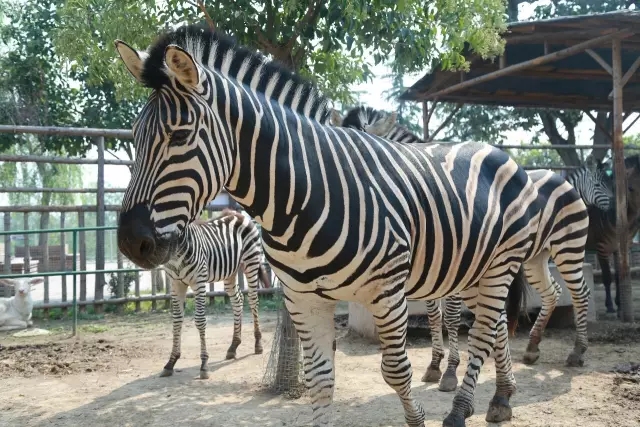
(313, 318)
(452, 312)
(233, 290)
(201, 324)
(253, 303)
(178, 294)
(434, 315)
(540, 278)
(499, 408)
(391, 318)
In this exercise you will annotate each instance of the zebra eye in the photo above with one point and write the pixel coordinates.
(179, 137)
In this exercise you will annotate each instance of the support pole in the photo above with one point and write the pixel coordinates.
(626, 307)
(99, 285)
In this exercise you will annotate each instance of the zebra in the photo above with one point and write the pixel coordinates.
(603, 236)
(211, 251)
(345, 215)
(562, 235)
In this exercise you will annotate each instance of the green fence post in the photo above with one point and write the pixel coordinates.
(75, 276)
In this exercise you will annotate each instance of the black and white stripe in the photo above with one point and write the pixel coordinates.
(213, 251)
(345, 215)
(561, 235)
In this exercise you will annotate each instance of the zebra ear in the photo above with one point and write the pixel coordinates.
(133, 59)
(336, 118)
(182, 64)
(382, 126)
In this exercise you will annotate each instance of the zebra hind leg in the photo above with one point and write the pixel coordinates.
(252, 278)
(487, 302)
(452, 311)
(574, 279)
(313, 317)
(201, 324)
(233, 290)
(434, 315)
(178, 294)
(499, 408)
(391, 318)
(540, 278)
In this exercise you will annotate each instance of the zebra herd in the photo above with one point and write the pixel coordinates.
(348, 212)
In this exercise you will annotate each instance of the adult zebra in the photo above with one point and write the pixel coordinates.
(562, 235)
(212, 251)
(345, 215)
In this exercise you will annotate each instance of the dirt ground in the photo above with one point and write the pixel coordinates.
(109, 377)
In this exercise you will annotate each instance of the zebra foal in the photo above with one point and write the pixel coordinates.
(561, 235)
(212, 251)
(399, 222)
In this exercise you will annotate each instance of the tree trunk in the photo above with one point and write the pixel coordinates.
(603, 119)
(550, 126)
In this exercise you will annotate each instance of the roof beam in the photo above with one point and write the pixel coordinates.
(627, 76)
(604, 64)
(512, 69)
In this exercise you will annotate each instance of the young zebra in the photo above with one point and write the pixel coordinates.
(562, 235)
(345, 215)
(212, 251)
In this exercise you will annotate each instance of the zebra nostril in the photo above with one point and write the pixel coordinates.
(146, 247)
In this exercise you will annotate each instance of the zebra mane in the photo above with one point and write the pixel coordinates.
(210, 49)
(360, 117)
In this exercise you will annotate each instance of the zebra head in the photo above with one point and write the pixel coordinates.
(591, 182)
(178, 168)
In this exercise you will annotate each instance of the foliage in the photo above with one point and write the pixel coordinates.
(544, 158)
(329, 40)
(409, 113)
(127, 279)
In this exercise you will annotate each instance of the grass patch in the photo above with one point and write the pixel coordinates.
(93, 329)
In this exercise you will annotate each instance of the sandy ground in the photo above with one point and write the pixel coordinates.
(109, 377)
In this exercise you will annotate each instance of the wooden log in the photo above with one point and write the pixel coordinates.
(63, 262)
(100, 208)
(82, 248)
(7, 243)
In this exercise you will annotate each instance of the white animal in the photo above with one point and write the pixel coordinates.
(15, 312)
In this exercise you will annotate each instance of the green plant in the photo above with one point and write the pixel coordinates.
(127, 279)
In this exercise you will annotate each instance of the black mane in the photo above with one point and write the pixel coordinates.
(209, 48)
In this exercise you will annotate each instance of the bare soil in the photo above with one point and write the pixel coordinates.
(110, 377)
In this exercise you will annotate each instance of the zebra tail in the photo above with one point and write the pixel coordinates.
(516, 300)
(264, 277)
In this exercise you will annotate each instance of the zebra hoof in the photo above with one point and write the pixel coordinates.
(531, 357)
(499, 410)
(454, 420)
(449, 382)
(575, 360)
(231, 355)
(204, 375)
(432, 375)
(166, 373)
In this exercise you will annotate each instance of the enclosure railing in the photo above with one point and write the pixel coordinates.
(120, 298)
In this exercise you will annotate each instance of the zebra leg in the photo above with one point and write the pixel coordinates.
(313, 318)
(233, 290)
(178, 295)
(539, 277)
(452, 311)
(574, 279)
(253, 303)
(201, 324)
(616, 263)
(606, 281)
(391, 317)
(499, 408)
(486, 300)
(434, 315)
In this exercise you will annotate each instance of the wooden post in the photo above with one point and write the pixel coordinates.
(99, 285)
(120, 277)
(137, 290)
(27, 255)
(45, 265)
(167, 289)
(154, 279)
(82, 248)
(626, 306)
(7, 243)
(63, 262)
(425, 120)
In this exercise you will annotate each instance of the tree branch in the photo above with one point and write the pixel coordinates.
(302, 24)
(445, 122)
(212, 25)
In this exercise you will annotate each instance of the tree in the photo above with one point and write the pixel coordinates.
(326, 40)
